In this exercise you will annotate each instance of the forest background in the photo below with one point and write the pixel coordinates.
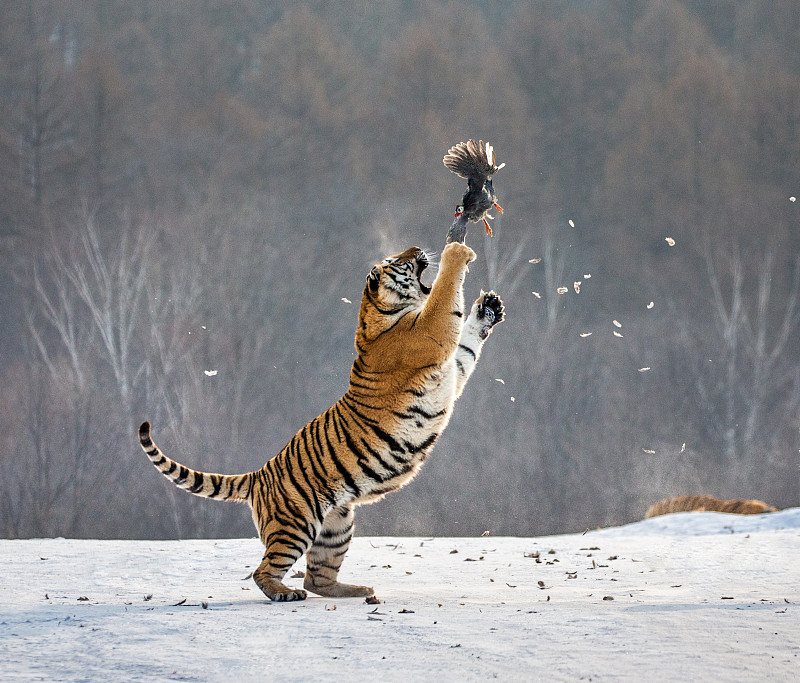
(192, 193)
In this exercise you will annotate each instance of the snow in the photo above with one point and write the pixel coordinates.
(701, 595)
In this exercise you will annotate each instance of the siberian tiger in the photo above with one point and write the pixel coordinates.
(707, 504)
(416, 351)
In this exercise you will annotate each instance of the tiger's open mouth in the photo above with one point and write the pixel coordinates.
(422, 264)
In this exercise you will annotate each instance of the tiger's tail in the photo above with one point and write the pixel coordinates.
(235, 487)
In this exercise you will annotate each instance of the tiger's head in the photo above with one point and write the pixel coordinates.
(394, 288)
(396, 282)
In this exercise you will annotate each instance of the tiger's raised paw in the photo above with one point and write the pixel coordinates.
(490, 311)
(459, 252)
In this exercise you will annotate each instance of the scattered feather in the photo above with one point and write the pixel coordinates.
(649, 451)
(683, 448)
(513, 399)
(577, 286)
(650, 305)
(562, 290)
(617, 323)
(586, 334)
(617, 334)
(535, 260)
(537, 295)
(587, 276)
(670, 241)
(497, 379)
(571, 223)
(346, 300)
(792, 199)
(210, 373)
(645, 369)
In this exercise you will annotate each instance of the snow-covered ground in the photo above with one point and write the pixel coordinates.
(690, 596)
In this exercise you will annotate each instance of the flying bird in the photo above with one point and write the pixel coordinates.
(474, 161)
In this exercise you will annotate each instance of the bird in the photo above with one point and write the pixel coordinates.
(474, 161)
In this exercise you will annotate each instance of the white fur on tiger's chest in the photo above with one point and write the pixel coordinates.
(429, 413)
(440, 390)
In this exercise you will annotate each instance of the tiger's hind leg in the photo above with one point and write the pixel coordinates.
(284, 548)
(325, 557)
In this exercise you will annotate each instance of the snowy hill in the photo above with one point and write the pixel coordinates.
(687, 596)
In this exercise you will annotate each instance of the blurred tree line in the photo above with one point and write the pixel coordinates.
(194, 191)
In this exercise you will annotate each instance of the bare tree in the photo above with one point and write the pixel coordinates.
(41, 112)
(750, 372)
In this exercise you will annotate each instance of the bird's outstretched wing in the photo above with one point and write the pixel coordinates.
(472, 160)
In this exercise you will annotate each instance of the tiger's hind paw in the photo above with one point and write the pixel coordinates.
(288, 596)
(490, 311)
(338, 590)
(277, 592)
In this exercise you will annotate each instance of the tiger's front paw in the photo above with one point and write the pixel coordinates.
(458, 252)
(490, 311)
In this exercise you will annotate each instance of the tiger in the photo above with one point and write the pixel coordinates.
(708, 504)
(416, 349)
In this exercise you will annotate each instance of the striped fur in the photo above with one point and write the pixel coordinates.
(416, 350)
(707, 504)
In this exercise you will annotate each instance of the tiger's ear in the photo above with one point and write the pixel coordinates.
(374, 278)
